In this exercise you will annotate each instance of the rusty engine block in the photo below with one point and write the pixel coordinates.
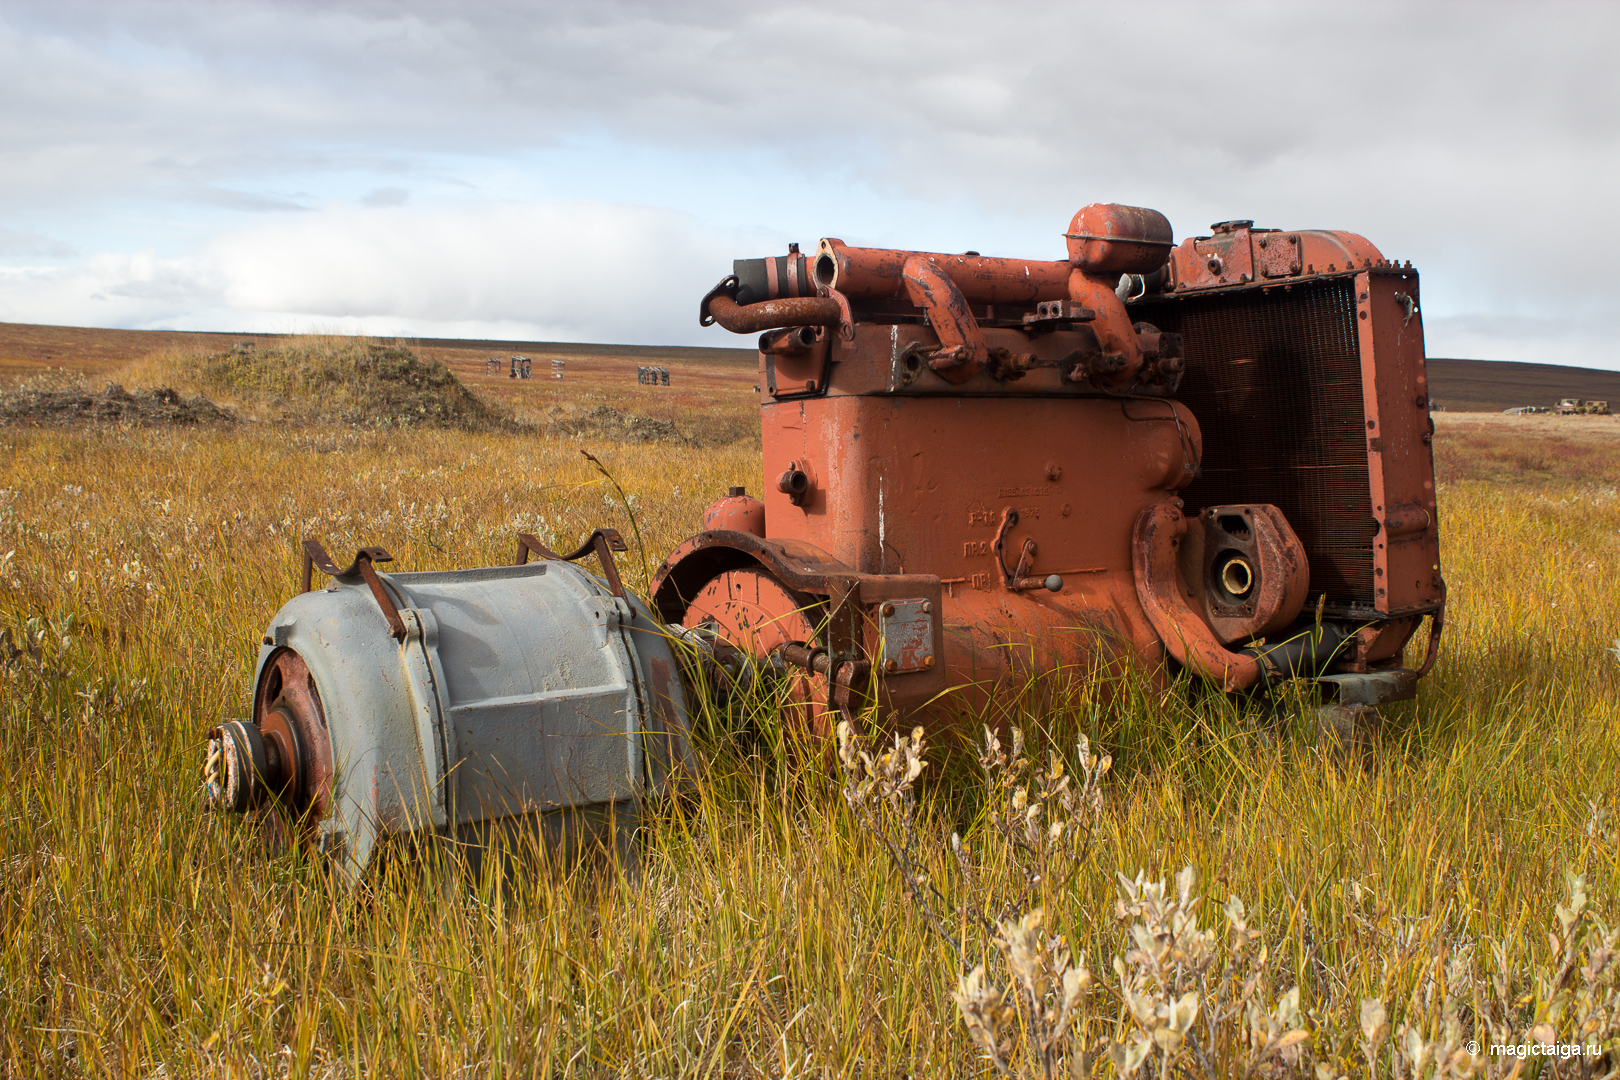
(986, 474)
(1216, 454)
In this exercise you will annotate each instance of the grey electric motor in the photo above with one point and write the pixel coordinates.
(455, 704)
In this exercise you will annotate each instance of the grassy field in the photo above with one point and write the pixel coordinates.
(1403, 902)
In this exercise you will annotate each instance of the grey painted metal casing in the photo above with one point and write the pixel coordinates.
(518, 690)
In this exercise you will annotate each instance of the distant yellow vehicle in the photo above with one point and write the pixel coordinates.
(1596, 408)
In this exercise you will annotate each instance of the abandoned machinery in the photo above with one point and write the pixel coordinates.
(986, 474)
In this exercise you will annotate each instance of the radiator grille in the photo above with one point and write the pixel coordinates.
(1274, 378)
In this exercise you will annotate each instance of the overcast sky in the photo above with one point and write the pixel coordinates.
(586, 171)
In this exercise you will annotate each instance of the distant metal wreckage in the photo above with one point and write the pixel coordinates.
(519, 366)
(652, 376)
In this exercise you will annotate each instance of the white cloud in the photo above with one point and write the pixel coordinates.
(132, 290)
(579, 270)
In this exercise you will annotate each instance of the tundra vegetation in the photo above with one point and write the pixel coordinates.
(1129, 879)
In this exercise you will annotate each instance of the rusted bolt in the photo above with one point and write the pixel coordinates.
(927, 608)
(810, 386)
(1262, 241)
(891, 665)
(1215, 265)
(1065, 509)
(888, 611)
(928, 661)
(1054, 471)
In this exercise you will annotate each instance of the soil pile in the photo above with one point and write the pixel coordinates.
(114, 405)
(354, 381)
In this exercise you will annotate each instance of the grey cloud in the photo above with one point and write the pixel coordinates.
(27, 243)
(385, 197)
(242, 200)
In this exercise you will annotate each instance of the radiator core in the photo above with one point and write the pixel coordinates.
(1274, 378)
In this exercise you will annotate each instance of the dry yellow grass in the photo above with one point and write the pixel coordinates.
(766, 934)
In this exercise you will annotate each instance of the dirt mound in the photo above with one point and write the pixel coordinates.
(114, 405)
(351, 380)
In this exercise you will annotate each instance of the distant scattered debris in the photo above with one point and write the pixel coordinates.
(652, 376)
(556, 368)
(518, 366)
(1576, 407)
(1527, 410)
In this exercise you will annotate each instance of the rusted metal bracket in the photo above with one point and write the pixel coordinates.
(1057, 315)
(603, 542)
(315, 555)
(1019, 579)
(1437, 626)
(845, 681)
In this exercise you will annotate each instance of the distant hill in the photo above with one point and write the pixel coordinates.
(1494, 385)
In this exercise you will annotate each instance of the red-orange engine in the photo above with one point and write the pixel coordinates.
(989, 473)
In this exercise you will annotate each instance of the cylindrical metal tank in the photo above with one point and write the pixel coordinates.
(516, 694)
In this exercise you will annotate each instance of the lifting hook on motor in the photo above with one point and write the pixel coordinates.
(603, 542)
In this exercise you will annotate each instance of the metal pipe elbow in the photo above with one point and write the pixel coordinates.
(771, 314)
(1154, 540)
